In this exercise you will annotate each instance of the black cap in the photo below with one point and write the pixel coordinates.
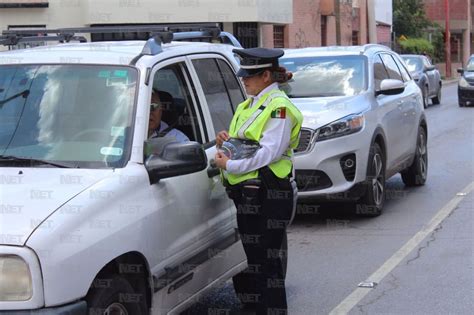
(257, 60)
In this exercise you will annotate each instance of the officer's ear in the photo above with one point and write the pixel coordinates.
(267, 76)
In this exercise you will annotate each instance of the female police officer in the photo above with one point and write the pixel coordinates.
(261, 184)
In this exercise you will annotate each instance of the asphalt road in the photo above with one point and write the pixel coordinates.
(420, 266)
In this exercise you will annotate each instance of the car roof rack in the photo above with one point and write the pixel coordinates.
(158, 35)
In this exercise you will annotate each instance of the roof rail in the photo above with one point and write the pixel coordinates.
(160, 34)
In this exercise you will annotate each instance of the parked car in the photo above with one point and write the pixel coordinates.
(363, 123)
(94, 217)
(426, 76)
(466, 84)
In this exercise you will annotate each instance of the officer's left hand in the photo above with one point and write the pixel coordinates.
(221, 160)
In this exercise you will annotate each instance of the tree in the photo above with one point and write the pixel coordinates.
(409, 18)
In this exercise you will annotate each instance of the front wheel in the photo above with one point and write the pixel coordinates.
(417, 172)
(371, 204)
(115, 295)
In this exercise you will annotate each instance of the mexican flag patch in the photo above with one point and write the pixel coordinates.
(279, 113)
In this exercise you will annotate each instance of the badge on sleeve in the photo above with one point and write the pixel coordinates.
(279, 113)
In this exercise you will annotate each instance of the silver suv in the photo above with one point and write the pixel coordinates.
(363, 123)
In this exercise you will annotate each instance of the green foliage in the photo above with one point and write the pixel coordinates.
(409, 18)
(417, 46)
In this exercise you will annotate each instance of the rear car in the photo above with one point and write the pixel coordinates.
(363, 123)
(426, 76)
(466, 84)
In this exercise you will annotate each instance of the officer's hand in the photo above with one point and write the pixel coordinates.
(221, 137)
(221, 160)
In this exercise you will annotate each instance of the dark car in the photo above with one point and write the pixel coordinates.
(426, 76)
(466, 84)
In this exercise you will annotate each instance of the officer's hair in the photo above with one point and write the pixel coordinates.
(280, 75)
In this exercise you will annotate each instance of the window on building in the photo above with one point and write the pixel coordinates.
(278, 36)
(324, 21)
(355, 37)
(247, 34)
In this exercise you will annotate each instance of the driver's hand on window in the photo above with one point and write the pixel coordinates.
(221, 137)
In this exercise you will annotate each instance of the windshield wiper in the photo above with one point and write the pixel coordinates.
(12, 158)
(23, 93)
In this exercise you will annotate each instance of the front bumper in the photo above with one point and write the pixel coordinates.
(78, 308)
(320, 174)
(466, 95)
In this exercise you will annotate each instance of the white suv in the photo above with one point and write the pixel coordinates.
(363, 123)
(95, 217)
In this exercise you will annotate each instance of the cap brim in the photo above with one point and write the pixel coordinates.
(246, 73)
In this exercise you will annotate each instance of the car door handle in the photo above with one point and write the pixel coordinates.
(212, 170)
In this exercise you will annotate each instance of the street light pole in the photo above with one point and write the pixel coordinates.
(447, 40)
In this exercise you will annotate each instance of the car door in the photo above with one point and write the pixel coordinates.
(389, 113)
(196, 219)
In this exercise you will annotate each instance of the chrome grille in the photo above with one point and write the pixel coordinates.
(305, 140)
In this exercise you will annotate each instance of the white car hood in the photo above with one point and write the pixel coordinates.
(29, 195)
(320, 111)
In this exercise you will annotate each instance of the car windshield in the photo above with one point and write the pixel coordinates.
(79, 114)
(325, 76)
(470, 65)
(413, 63)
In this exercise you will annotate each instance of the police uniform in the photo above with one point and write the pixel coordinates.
(262, 186)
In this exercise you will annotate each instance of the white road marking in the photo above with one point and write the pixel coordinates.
(358, 294)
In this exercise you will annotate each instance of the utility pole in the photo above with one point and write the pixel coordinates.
(337, 11)
(447, 40)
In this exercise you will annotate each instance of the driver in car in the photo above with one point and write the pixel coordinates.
(156, 127)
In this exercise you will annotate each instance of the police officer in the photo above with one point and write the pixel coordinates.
(261, 185)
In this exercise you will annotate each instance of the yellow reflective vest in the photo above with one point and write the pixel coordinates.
(248, 123)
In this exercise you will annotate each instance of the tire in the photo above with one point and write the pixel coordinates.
(417, 172)
(425, 97)
(437, 99)
(108, 294)
(371, 203)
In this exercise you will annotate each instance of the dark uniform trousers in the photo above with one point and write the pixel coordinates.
(263, 212)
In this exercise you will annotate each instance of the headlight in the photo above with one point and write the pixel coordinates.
(341, 127)
(463, 83)
(15, 279)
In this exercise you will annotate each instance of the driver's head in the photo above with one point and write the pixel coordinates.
(155, 112)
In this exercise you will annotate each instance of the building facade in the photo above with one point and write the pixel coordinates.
(461, 26)
(267, 23)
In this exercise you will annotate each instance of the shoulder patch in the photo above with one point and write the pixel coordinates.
(279, 113)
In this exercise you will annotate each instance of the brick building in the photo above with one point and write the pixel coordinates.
(268, 23)
(461, 26)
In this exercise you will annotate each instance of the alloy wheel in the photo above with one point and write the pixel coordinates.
(422, 156)
(377, 180)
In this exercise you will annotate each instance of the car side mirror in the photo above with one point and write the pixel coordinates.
(165, 158)
(460, 70)
(429, 68)
(390, 87)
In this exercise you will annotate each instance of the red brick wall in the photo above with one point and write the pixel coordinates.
(435, 9)
(383, 35)
(305, 31)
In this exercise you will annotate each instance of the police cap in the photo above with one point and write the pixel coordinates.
(257, 60)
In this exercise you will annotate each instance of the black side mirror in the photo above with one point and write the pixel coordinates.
(460, 70)
(165, 158)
